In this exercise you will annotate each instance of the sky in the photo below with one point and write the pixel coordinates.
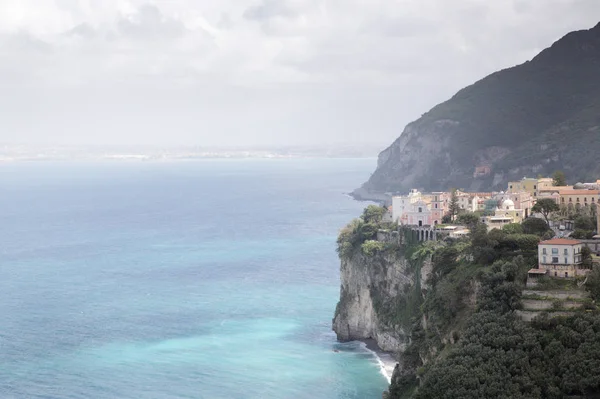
(254, 72)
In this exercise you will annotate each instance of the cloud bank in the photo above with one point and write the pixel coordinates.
(254, 71)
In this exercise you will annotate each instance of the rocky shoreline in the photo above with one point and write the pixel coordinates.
(387, 361)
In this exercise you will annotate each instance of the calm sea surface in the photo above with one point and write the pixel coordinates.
(205, 279)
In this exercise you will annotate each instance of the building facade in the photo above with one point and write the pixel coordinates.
(561, 257)
(400, 204)
(578, 198)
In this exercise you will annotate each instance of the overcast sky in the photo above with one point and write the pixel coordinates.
(254, 72)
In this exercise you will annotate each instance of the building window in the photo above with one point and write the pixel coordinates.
(436, 205)
(555, 274)
(545, 260)
(420, 210)
(566, 274)
(554, 251)
(534, 187)
(555, 259)
(566, 261)
(566, 252)
(544, 251)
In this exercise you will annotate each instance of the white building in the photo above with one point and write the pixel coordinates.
(561, 257)
(401, 204)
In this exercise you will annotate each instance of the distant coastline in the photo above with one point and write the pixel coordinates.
(13, 152)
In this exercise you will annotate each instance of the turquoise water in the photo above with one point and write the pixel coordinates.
(206, 279)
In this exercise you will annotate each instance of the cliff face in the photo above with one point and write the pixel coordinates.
(373, 288)
(364, 280)
(531, 119)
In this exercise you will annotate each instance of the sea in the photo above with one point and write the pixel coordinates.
(177, 279)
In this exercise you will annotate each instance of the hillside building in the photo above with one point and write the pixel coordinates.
(560, 257)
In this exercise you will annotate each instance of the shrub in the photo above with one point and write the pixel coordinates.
(372, 247)
(582, 234)
(535, 226)
(513, 228)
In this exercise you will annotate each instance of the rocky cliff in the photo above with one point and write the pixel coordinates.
(531, 119)
(379, 295)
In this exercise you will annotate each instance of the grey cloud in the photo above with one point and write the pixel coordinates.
(269, 9)
(149, 23)
(82, 30)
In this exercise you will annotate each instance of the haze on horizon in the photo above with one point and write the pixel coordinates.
(254, 72)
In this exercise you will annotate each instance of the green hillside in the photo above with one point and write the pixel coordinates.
(531, 119)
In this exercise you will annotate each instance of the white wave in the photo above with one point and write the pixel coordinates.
(386, 362)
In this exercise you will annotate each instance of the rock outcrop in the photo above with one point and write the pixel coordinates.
(380, 295)
(366, 281)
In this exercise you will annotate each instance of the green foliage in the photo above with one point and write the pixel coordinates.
(548, 235)
(545, 206)
(586, 257)
(360, 230)
(546, 283)
(593, 283)
(468, 219)
(500, 356)
(582, 234)
(453, 207)
(584, 222)
(513, 228)
(372, 247)
(559, 178)
(536, 226)
(373, 214)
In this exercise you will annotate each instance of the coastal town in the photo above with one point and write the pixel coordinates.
(568, 212)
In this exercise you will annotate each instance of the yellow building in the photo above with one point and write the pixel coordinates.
(544, 184)
(578, 198)
(527, 184)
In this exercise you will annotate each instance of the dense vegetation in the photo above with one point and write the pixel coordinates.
(361, 233)
(514, 121)
(473, 345)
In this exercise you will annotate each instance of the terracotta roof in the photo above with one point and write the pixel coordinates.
(579, 192)
(560, 241)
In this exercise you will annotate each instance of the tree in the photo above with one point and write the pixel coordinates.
(453, 207)
(582, 234)
(586, 257)
(559, 179)
(468, 219)
(545, 206)
(373, 214)
(593, 283)
(584, 222)
(535, 226)
(513, 228)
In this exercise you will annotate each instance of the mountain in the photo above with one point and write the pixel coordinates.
(529, 120)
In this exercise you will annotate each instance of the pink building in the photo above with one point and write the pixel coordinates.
(419, 214)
